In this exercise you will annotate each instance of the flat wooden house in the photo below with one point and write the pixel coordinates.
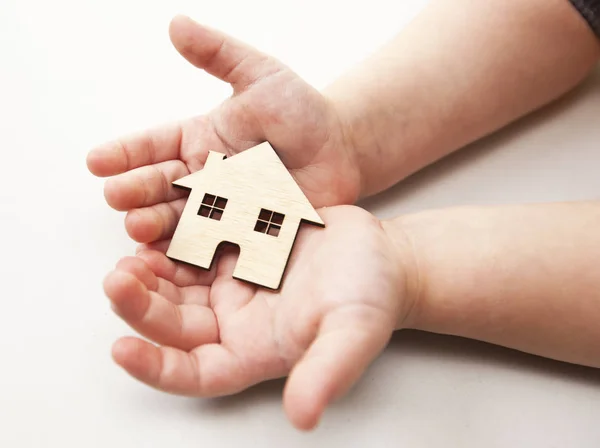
(250, 200)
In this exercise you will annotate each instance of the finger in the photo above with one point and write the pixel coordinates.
(143, 148)
(153, 316)
(163, 245)
(155, 223)
(193, 292)
(208, 371)
(235, 294)
(160, 246)
(221, 55)
(178, 274)
(139, 269)
(145, 186)
(343, 349)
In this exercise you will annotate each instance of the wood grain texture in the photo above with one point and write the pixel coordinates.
(251, 182)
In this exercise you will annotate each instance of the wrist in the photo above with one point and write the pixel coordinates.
(403, 251)
(386, 140)
(347, 142)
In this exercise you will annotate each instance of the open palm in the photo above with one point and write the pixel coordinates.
(269, 103)
(339, 304)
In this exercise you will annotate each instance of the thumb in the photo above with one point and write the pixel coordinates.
(219, 54)
(341, 352)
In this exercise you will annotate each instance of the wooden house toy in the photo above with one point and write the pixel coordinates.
(249, 199)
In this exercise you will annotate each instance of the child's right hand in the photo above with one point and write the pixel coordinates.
(346, 289)
(269, 103)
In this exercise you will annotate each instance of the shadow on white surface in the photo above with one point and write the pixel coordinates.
(425, 390)
(406, 344)
(456, 349)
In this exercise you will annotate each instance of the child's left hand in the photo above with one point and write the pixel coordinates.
(343, 294)
(269, 103)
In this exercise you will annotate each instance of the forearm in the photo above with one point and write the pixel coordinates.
(525, 277)
(461, 70)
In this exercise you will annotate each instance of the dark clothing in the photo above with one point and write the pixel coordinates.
(590, 10)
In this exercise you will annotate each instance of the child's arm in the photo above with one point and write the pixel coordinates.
(525, 277)
(460, 70)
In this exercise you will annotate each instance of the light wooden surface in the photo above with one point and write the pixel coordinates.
(250, 200)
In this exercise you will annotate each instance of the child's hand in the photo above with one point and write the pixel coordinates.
(343, 295)
(270, 102)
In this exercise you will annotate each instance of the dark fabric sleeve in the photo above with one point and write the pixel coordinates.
(590, 10)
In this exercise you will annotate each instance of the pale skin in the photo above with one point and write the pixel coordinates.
(517, 276)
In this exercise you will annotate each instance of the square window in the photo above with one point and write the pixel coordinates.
(261, 226)
(204, 210)
(273, 230)
(269, 222)
(209, 199)
(212, 207)
(216, 214)
(220, 203)
(265, 215)
(277, 218)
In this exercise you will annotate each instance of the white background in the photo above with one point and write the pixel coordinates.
(76, 73)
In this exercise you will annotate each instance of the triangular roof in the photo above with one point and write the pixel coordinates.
(263, 165)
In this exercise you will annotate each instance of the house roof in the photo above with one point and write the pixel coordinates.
(256, 171)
